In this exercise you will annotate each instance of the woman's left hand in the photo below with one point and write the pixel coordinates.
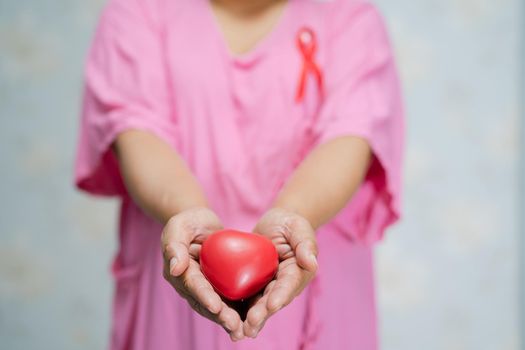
(294, 239)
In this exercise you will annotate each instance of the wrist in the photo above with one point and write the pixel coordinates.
(199, 219)
(175, 204)
(291, 203)
(196, 209)
(290, 215)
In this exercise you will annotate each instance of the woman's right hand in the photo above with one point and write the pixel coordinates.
(182, 239)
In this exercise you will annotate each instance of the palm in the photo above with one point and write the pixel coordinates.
(294, 240)
(182, 240)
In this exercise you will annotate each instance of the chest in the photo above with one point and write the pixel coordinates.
(248, 97)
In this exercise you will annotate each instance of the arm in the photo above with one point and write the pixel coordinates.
(319, 188)
(326, 180)
(161, 183)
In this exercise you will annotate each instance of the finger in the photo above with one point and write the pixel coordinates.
(301, 238)
(290, 281)
(253, 300)
(177, 257)
(201, 310)
(231, 321)
(258, 314)
(176, 240)
(195, 250)
(301, 231)
(236, 336)
(284, 250)
(227, 318)
(200, 289)
(306, 255)
(256, 317)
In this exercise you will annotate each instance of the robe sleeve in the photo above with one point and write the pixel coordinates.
(125, 88)
(363, 99)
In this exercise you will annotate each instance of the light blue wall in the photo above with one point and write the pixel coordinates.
(55, 244)
(447, 275)
(522, 179)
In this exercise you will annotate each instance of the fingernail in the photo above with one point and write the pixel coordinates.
(173, 263)
(253, 333)
(237, 335)
(313, 259)
(276, 306)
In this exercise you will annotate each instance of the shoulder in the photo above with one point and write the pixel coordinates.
(353, 24)
(340, 15)
(355, 36)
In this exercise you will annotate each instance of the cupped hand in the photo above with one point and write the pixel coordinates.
(182, 239)
(294, 239)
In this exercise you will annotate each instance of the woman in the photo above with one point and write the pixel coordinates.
(281, 117)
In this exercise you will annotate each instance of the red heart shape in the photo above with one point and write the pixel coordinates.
(238, 264)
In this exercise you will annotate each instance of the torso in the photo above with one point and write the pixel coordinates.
(242, 108)
(242, 133)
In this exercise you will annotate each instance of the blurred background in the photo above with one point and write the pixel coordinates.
(448, 275)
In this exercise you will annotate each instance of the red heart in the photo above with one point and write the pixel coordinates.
(238, 264)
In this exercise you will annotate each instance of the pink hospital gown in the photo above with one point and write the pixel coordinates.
(163, 66)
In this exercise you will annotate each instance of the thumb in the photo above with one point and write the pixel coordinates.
(306, 255)
(301, 237)
(177, 256)
(175, 244)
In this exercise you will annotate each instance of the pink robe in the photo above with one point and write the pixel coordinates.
(163, 66)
